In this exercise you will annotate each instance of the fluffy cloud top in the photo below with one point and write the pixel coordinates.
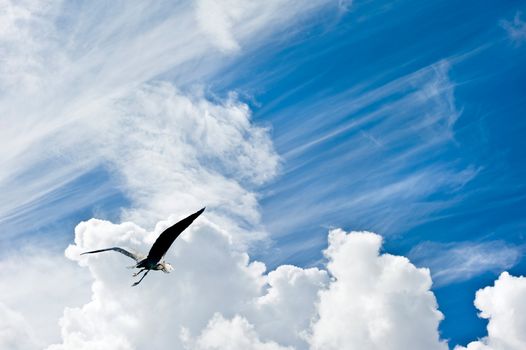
(218, 299)
(376, 301)
(235, 334)
(504, 306)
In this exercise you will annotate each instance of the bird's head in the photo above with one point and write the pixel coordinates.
(165, 267)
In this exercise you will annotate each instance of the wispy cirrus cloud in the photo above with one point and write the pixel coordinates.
(457, 262)
(71, 73)
(515, 28)
(373, 152)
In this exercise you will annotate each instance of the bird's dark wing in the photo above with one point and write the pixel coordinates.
(165, 240)
(134, 256)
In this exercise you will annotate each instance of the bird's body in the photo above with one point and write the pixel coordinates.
(158, 249)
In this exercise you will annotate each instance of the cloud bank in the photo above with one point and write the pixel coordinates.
(218, 299)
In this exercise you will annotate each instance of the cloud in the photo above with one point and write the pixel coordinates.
(72, 72)
(235, 334)
(14, 332)
(211, 277)
(375, 301)
(218, 298)
(455, 262)
(37, 286)
(359, 153)
(289, 302)
(516, 29)
(24, 26)
(208, 153)
(227, 22)
(158, 142)
(503, 305)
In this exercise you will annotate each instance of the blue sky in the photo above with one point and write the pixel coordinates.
(404, 118)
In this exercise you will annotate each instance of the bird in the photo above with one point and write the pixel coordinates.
(159, 248)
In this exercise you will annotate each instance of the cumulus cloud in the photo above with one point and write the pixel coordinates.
(376, 301)
(217, 298)
(288, 302)
(14, 332)
(211, 277)
(36, 287)
(504, 306)
(235, 334)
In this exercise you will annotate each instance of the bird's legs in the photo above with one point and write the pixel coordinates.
(137, 273)
(139, 281)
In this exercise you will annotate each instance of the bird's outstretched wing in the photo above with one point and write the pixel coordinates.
(165, 239)
(134, 256)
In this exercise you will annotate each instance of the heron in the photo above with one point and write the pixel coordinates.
(158, 250)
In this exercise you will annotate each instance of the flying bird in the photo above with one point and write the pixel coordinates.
(158, 249)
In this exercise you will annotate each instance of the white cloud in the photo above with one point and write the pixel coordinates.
(14, 332)
(70, 77)
(36, 287)
(165, 143)
(284, 313)
(368, 149)
(516, 28)
(376, 301)
(211, 276)
(218, 299)
(504, 306)
(235, 334)
(227, 22)
(454, 262)
(23, 27)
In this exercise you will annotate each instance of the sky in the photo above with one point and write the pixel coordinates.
(361, 163)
